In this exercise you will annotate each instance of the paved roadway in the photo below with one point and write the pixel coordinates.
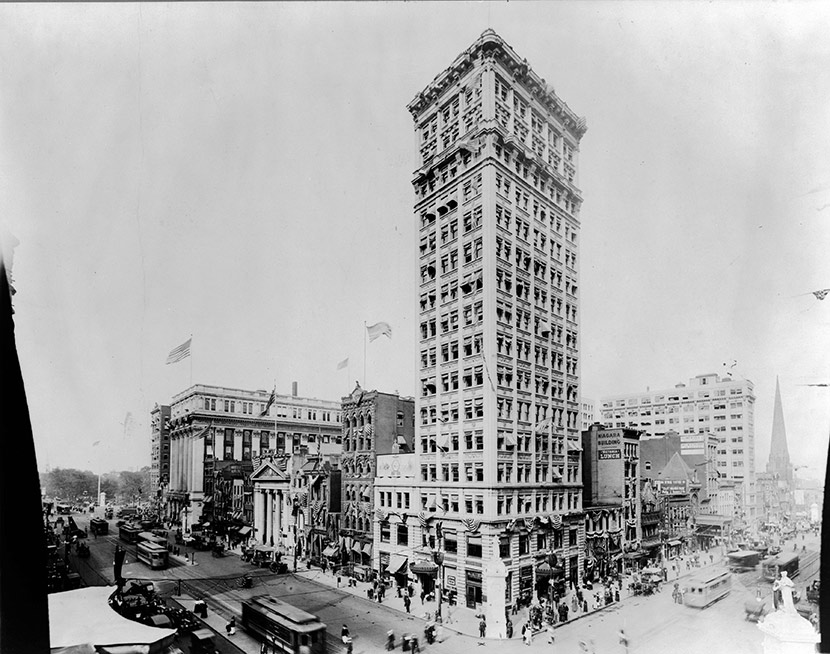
(654, 625)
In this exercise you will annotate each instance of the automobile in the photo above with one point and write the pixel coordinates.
(813, 591)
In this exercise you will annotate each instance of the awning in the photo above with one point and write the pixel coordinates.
(330, 551)
(367, 549)
(208, 499)
(400, 439)
(425, 568)
(357, 547)
(674, 543)
(396, 562)
(510, 440)
(634, 555)
(244, 531)
(443, 441)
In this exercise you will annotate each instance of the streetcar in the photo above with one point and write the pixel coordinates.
(99, 526)
(703, 591)
(153, 554)
(149, 537)
(743, 561)
(129, 533)
(281, 627)
(772, 567)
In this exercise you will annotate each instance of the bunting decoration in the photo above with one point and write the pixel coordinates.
(528, 523)
(423, 518)
(471, 525)
(380, 514)
(556, 521)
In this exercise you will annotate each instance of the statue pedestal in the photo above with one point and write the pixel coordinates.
(787, 632)
(494, 574)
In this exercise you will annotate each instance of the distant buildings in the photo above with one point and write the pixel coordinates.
(721, 406)
(159, 448)
(498, 413)
(777, 499)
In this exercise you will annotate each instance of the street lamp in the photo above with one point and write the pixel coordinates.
(438, 557)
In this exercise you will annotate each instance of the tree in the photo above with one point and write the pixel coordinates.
(133, 485)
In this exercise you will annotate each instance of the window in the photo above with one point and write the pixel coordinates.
(384, 532)
(402, 534)
(450, 542)
(474, 546)
(246, 444)
(228, 444)
(504, 547)
(524, 545)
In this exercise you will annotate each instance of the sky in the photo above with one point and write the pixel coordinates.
(242, 173)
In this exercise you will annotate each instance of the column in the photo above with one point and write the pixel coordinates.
(279, 500)
(258, 512)
(269, 516)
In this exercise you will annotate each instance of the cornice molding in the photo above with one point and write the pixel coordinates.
(491, 47)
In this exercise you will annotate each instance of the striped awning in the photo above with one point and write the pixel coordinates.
(396, 562)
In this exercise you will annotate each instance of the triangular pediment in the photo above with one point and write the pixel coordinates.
(269, 471)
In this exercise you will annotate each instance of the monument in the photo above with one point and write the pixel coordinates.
(785, 631)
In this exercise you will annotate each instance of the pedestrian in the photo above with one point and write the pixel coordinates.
(339, 579)
(423, 593)
(482, 628)
(551, 636)
(390, 640)
(413, 644)
(509, 628)
(231, 627)
(527, 636)
(344, 633)
(585, 606)
(616, 595)
(623, 640)
(406, 602)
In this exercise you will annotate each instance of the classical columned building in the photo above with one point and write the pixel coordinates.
(216, 433)
(272, 486)
(497, 412)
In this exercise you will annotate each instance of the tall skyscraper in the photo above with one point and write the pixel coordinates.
(498, 414)
(721, 406)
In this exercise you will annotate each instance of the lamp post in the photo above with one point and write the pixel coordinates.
(438, 556)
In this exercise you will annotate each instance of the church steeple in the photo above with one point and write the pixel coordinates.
(779, 455)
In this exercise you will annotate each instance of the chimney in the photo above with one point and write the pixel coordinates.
(294, 389)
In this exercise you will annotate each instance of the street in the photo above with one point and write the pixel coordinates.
(653, 624)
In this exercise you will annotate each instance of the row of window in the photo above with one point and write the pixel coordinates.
(248, 408)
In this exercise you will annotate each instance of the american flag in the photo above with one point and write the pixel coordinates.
(179, 353)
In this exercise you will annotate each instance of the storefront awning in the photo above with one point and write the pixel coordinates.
(208, 499)
(674, 543)
(634, 555)
(357, 547)
(367, 549)
(330, 551)
(425, 568)
(244, 531)
(396, 563)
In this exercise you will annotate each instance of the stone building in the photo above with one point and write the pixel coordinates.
(215, 435)
(497, 246)
(374, 423)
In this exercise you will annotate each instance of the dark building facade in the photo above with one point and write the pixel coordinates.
(373, 423)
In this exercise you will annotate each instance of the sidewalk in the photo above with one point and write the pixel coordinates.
(218, 619)
(463, 620)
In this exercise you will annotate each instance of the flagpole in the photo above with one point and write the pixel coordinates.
(364, 353)
(191, 359)
(275, 416)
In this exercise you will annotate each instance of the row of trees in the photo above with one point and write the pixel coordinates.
(72, 484)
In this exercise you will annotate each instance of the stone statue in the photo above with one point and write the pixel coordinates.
(786, 587)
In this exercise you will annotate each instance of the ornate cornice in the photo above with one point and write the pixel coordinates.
(490, 46)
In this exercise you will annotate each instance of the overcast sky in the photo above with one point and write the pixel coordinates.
(242, 173)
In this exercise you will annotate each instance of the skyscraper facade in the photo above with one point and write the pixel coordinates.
(709, 404)
(498, 413)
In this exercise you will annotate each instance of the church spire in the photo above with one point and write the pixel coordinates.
(779, 455)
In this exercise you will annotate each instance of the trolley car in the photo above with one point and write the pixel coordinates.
(281, 627)
(743, 561)
(775, 565)
(703, 591)
(129, 533)
(154, 555)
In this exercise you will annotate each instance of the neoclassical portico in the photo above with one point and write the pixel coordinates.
(271, 486)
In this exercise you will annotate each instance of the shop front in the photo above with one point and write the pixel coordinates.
(473, 592)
